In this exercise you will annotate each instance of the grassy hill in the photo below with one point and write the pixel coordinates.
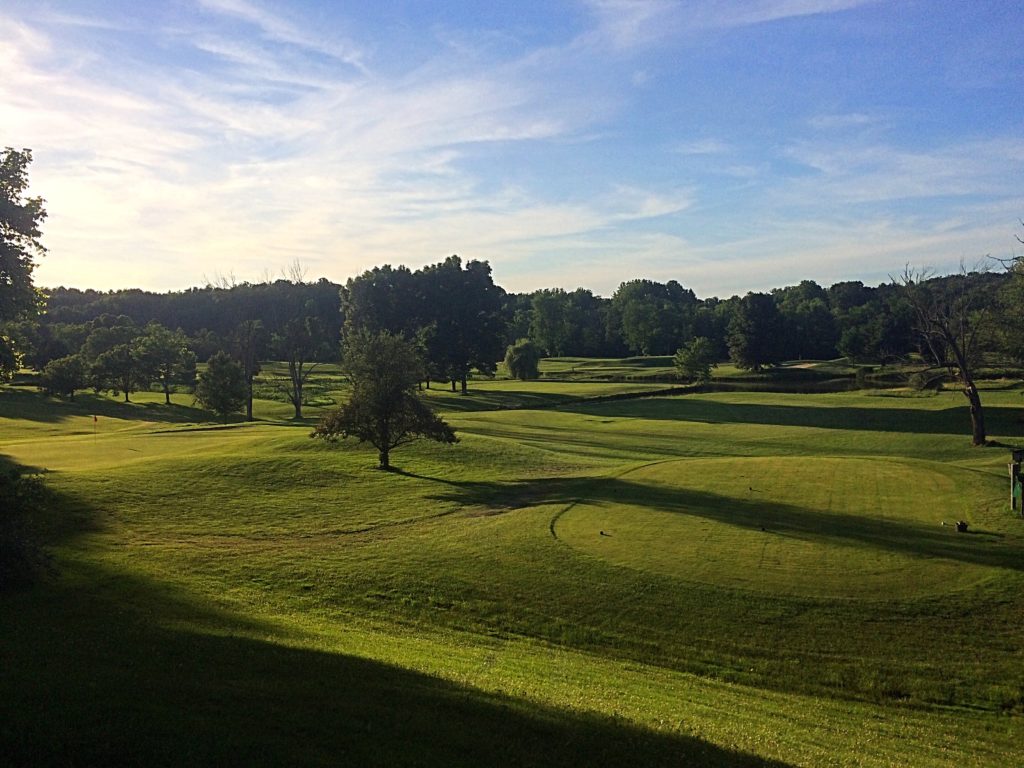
(741, 578)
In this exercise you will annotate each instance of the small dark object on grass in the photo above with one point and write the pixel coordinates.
(961, 526)
(605, 534)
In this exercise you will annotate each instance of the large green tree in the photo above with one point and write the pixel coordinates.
(755, 332)
(121, 369)
(64, 375)
(166, 356)
(549, 321)
(454, 313)
(383, 409)
(464, 308)
(809, 329)
(654, 317)
(20, 219)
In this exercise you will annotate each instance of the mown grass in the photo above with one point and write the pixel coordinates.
(245, 594)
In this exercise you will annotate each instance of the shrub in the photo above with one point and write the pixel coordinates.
(523, 360)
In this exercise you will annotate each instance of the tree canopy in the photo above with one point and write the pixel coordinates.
(20, 219)
(455, 314)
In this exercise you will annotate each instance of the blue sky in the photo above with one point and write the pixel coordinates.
(731, 146)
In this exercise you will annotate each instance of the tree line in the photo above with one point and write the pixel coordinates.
(462, 321)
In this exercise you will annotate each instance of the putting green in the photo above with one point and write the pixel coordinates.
(827, 527)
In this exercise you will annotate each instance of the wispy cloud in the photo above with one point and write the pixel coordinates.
(189, 168)
(628, 24)
(879, 173)
(277, 28)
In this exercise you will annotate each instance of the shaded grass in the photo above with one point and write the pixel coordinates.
(128, 688)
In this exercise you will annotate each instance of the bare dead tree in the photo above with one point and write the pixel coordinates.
(222, 281)
(295, 272)
(952, 322)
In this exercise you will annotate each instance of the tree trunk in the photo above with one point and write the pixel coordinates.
(167, 393)
(126, 396)
(295, 373)
(464, 384)
(977, 416)
(453, 385)
(248, 398)
(385, 461)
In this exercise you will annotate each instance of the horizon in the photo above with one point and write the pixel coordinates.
(732, 148)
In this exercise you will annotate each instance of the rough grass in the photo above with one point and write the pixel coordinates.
(247, 595)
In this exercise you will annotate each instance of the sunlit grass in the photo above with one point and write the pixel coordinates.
(204, 568)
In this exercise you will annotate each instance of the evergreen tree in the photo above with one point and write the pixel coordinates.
(221, 388)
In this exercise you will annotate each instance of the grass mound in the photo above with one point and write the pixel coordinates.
(826, 527)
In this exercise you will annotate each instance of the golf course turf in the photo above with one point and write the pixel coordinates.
(737, 578)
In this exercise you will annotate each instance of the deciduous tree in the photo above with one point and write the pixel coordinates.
(20, 218)
(952, 320)
(120, 370)
(384, 409)
(754, 332)
(64, 376)
(166, 355)
(299, 344)
(695, 360)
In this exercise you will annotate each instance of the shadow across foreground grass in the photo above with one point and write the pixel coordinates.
(33, 406)
(103, 677)
(104, 667)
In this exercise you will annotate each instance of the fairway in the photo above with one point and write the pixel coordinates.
(826, 527)
(714, 579)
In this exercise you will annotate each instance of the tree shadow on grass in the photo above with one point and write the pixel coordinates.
(102, 667)
(34, 406)
(772, 518)
(954, 420)
(495, 400)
